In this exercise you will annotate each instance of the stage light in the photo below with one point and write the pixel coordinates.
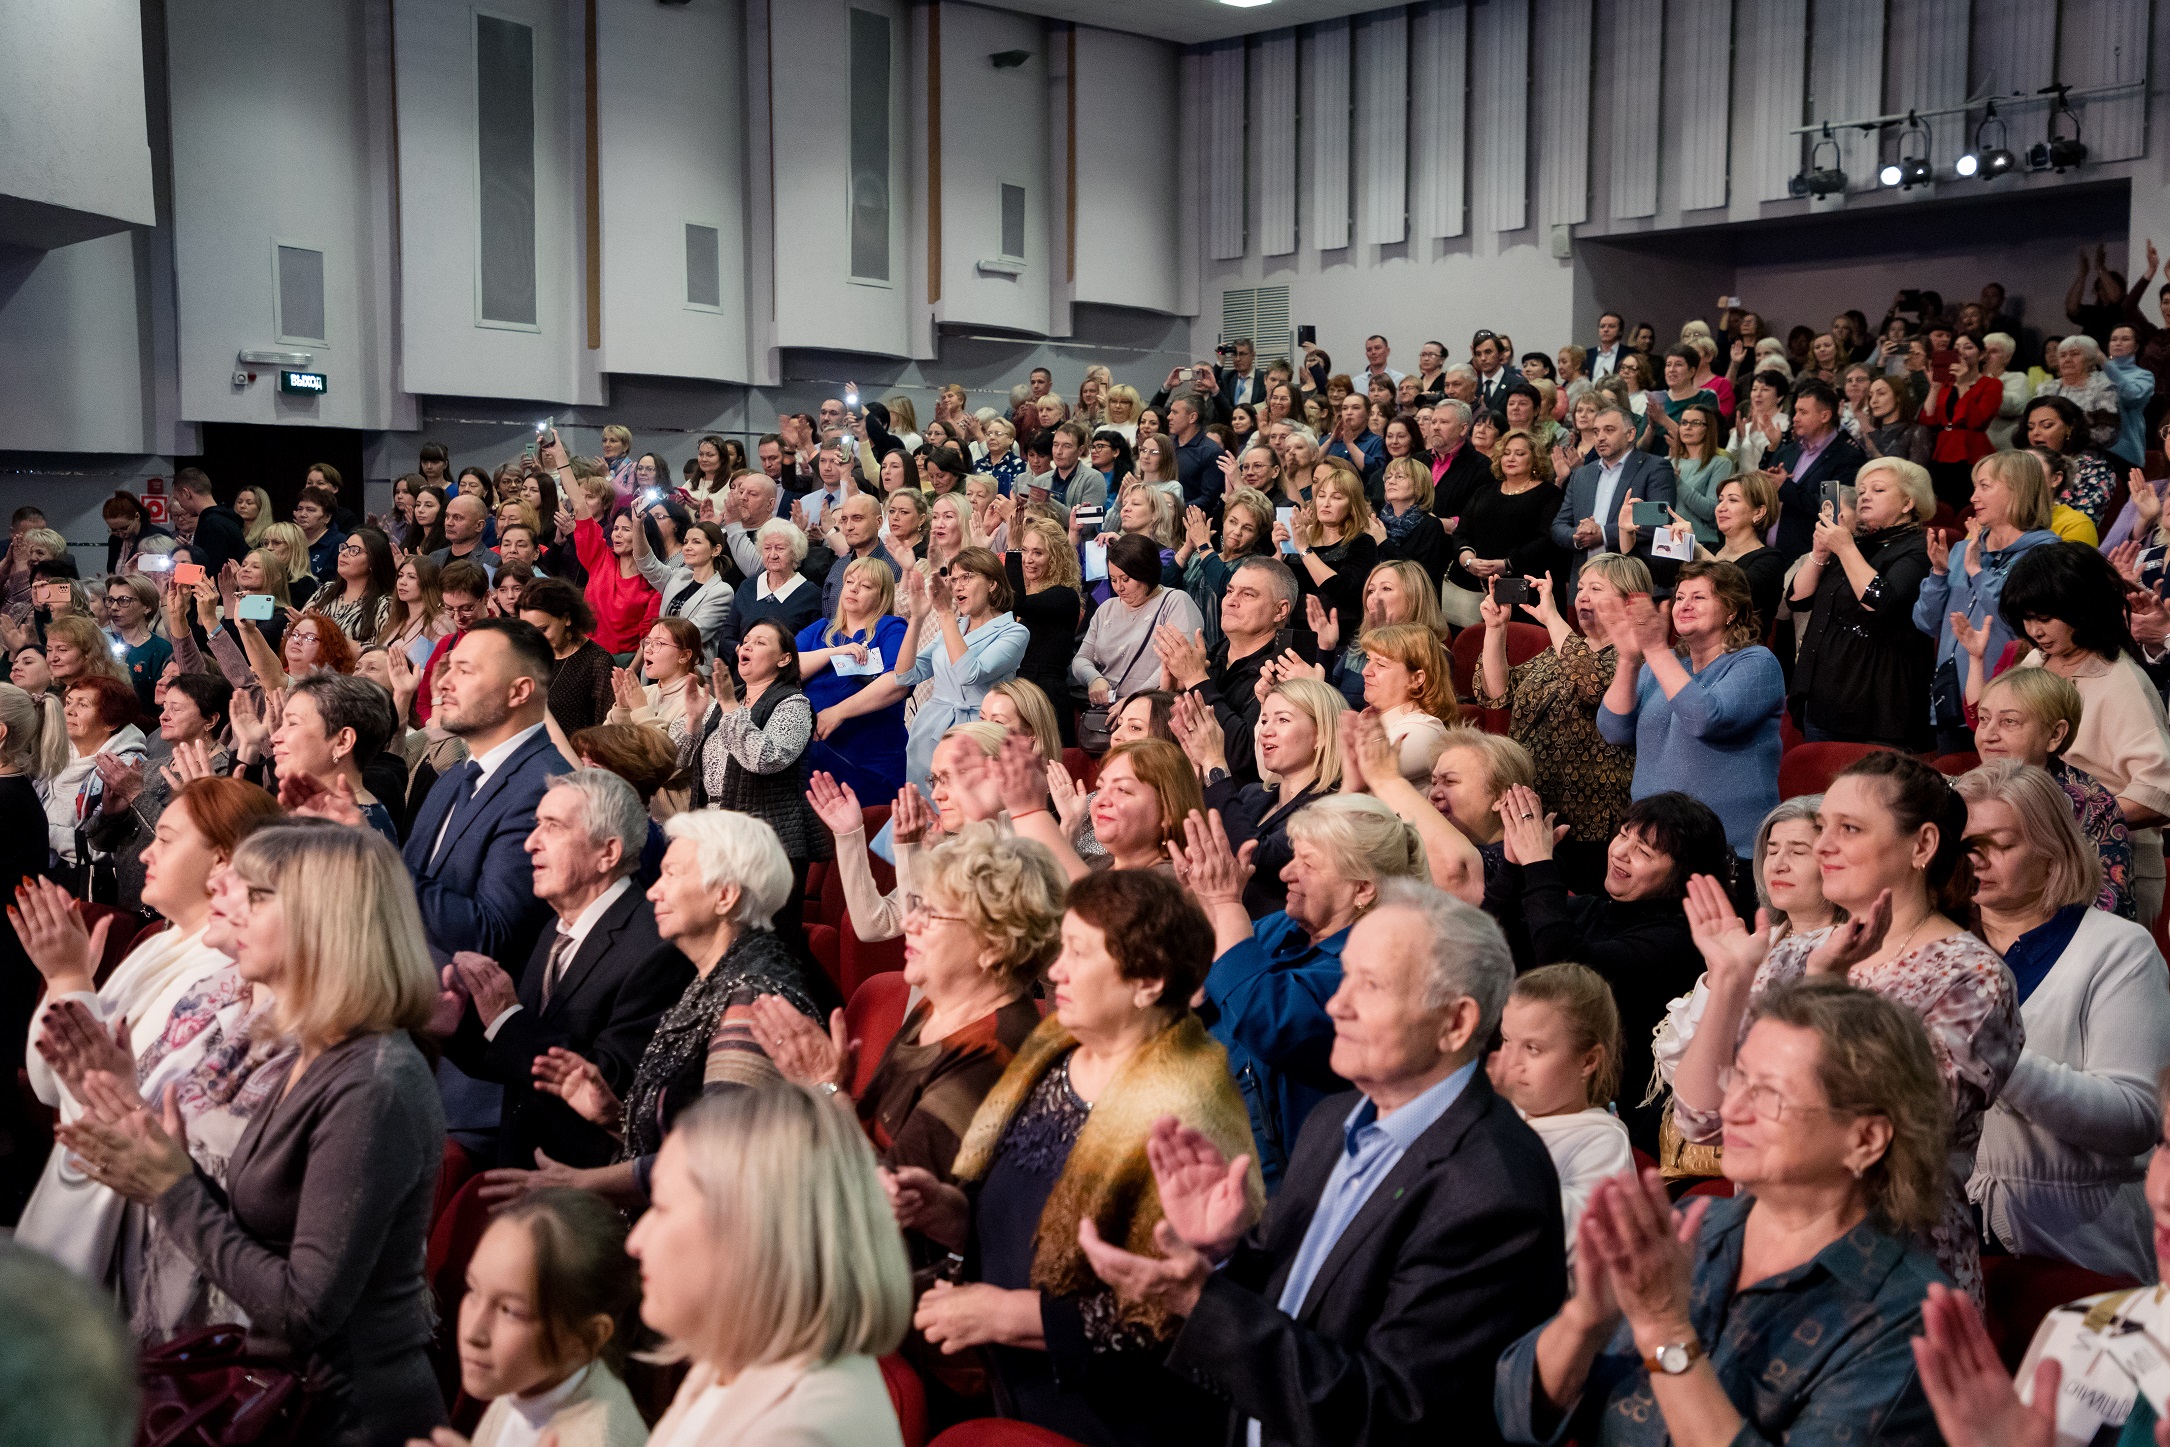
(2055, 152)
(1910, 168)
(1985, 160)
(1816, 180)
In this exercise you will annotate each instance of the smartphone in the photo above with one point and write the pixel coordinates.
(154, 563)
(1830, 500)
(258, 607)
(188, 575)
(1286, 517)
(1941, 364)
(1652, 515)
(851, 399)
(1091, 517)
(544, 427)
(651, 497)
(1035, 492)
(1510, 592)
(1307, 336)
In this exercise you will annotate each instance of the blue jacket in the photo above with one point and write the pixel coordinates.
(1266, 1003)
(1716, 740)
(2135, 388)
(1943, 594)
(478, 892)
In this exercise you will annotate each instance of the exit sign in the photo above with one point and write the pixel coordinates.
(311, 384)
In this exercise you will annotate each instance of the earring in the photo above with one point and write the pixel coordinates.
(1857, 1170)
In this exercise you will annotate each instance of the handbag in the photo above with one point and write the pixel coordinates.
(1093, 729)
(202, 1390)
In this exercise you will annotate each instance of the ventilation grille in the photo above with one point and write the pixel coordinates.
(505, 156)
(869, 146)
(1013, 221)
(301, 295)
(704, 267)
(1260, 313)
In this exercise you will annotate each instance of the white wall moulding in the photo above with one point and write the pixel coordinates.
(1273, 140)
(1635, 54)
(1846, 78)
(1499, 111)
(1223, 181)
(1772, 51)
(1439, 114)
(1563, 109)
(1326, 133)
(1382, 127)
(1699, 68)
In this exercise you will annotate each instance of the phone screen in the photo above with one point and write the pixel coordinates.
(257, 607)
(1511, 592)
(188, 575)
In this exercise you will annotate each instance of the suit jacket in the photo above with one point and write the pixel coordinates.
(1800, 496)
(1228, 377)
(1647, 477)
(1493, 394)
(1457, 1253)
(478, 893)
(605, 1007)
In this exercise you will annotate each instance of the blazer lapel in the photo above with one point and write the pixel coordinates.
(1431, 1148)
(489, 789)
(593, 948)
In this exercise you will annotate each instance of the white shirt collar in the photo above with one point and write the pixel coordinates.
(535, 1412)
(488, 763)
(761, 588)
(584, 922)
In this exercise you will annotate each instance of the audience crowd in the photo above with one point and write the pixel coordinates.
(1609, 895)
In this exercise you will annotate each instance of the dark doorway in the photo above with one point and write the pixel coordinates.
(237, 455)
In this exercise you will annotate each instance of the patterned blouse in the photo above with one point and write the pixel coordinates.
(2089, 481)
(1964, 995)
(1554, 698)
(2103, 822)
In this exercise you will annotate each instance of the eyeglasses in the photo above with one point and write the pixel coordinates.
(352, 550)
(917, 904)
(1764, 1100)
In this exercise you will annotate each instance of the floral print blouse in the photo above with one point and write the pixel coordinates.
(1554, 697)
(2104, 825)
(1962, 992)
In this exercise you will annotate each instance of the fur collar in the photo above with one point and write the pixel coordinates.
(1182, 1072)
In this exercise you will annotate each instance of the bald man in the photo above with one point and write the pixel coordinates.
(465, 519)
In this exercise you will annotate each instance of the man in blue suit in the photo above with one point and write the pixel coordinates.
(468, 848)
(1588, 521)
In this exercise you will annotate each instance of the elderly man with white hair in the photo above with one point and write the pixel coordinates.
(724, 878)
(596, 984)
(1416, 1234)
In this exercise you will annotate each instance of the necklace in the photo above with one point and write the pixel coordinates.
(1900, 952)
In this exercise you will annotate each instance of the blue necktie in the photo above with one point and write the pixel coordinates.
(470, 775)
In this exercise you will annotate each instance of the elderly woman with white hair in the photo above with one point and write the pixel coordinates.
(770, 1259)
(724, 879)
(1863, 668)
(2082, 381)
(1265, 997)
(2059, 1169)
(777, 592)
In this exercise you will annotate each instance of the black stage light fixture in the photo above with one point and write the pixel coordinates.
(1816, 179)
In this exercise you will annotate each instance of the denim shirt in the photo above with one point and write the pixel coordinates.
(1818, 1356)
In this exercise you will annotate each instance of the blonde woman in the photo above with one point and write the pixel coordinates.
(770, 1259)
(1298, 743)
(1330, 547)
(1122, 404)
(1047, 596)
(1406, 681)
(949, 531)
(319, 1235)
(858, 736)
(253, 506)
(1405, 527)
(671, 656)
(1396, 592)
(287, 543)
(416, 618)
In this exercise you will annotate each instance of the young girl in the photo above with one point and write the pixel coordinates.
(1558, 1063)
(549, 1294)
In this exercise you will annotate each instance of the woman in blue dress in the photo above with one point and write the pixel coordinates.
(966, 643)
(858, 735)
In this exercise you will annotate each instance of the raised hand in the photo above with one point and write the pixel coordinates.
(1645, 1249)
(1198, 729)
(1204, 1195)
(301, 794)
(123, 780)
(1197, 527)
(835, 805)
(1850, 943)
(1939, 541)
(578, 1082)
(1325, 623)
(1489, 611)
(801, 1049)
(486, 983)
(49, 925)
(1974, 640)
(2146, 501)
(1064, 797)
(910, 819)
(1182, 655)
(1530, 832)
(1214, 873)
(1731, 951)
(1973, 1397)
(923, 1202)
(625, 689)
(73, 1043)
(1020, 774)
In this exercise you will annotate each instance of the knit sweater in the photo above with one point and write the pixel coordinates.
(1716, 740)
(2063, 1151)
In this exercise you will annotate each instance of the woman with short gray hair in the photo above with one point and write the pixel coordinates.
(2081, 381)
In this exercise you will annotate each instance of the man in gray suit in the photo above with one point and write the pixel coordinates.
(1589, 518)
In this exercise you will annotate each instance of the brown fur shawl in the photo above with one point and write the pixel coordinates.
(1182, 1072)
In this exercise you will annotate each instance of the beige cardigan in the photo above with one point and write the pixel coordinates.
(844, 1404)
(598, 1413)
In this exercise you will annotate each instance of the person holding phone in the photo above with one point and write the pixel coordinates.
(1962, 404)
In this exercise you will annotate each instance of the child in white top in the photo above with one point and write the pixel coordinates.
(550, 1296)
(1559, 1064)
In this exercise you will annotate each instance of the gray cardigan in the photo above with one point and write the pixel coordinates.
(320, 1233)
(707, 606)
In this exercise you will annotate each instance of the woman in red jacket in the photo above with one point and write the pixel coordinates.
(625, 603)
(1961, 405)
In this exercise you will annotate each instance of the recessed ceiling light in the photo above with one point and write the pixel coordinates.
(1245, 4)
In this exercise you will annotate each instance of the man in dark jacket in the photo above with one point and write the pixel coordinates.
(1819, 452)
(1418, 1231)
(219, 538)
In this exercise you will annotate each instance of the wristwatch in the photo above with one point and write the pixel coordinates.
(1674, 1358)
(1214, 776)
(830, 1087)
